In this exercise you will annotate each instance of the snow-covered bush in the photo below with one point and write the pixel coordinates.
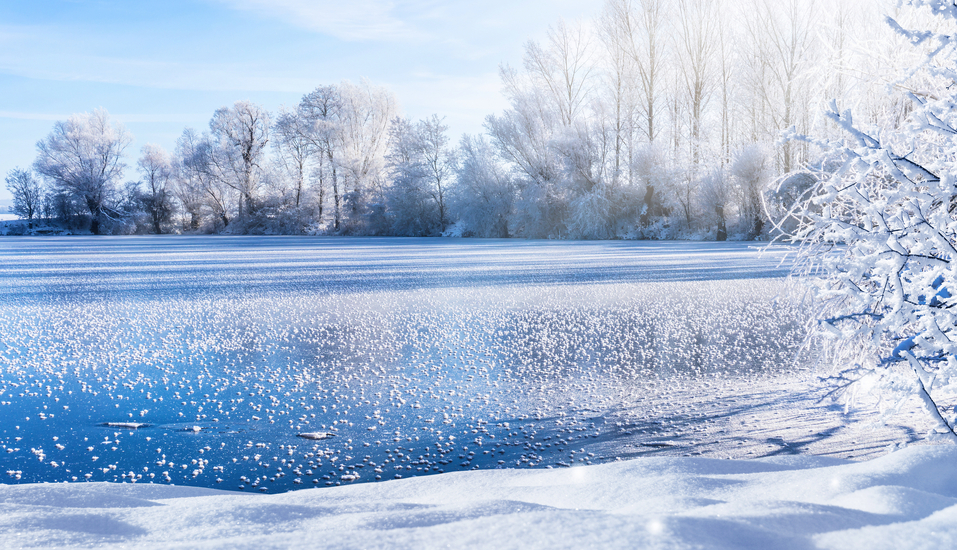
(655, 174)
(750, 169)
(484, 195)
(880, 238)
(716, 202)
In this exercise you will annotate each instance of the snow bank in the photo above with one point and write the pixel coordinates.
(907, 499)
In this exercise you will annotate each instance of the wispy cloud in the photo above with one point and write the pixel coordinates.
(378, 20)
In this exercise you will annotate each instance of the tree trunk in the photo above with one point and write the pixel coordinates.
(722, 234)
(95, 216)
(649, 200)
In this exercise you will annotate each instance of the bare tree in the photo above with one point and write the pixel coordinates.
(240, 134)
(294, 146)
(322, 110)
(728, 63)
(366, 115)
(562, 70)
(697, 40)
(782, 39)
(439, 162)
(615, 32)
(186, 185)
(157, 172)
(27, 193)
(641, 27)
(523, 136)
(83, 156)
(196, 185)
(484, 193)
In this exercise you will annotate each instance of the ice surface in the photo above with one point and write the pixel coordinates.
(420, 356)
(905, 500)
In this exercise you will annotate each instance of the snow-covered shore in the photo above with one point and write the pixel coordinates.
(904, 500)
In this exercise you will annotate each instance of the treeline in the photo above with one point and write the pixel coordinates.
(659, 119)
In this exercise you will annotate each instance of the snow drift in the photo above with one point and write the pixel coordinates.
(907, 499)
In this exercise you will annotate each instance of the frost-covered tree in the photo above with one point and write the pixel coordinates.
(27, 193)
(882, 229)
(655, 174)
(750, 168)
(199, 191)
(412, 211)
(523, 136)
(322, 111)
(599, 201)
(639, 32)
(155, 196)
(562, 69)
(421, 166)
(544, 132)
(716, 202)
(83, 156)
(484, 195)
(366, 114)
(295, 148)
(782, 38)
(239, 135)
(439, 162)
(187, 179)
(698, 41)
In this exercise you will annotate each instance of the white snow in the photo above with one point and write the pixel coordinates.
(904, 500)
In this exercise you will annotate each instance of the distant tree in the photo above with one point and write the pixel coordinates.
(523, 136)
(619, 95)
(751, 170)
(411, 208)
(155, 197)
(655, 173)
(295, 147)
(27, 193)
(588, 175)
(239, 136)
(63, 207)
(562, 69)
(438, 161)
(782, 36)
(186, 186)
(640, 27)
(483, 196)
(322, 111)
(698, 41)
(716, 200)
(82, 156)
(194, 184)
(367, 112)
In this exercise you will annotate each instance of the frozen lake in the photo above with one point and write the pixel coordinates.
(203, 360)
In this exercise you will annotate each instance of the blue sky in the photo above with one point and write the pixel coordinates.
(161, 65)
